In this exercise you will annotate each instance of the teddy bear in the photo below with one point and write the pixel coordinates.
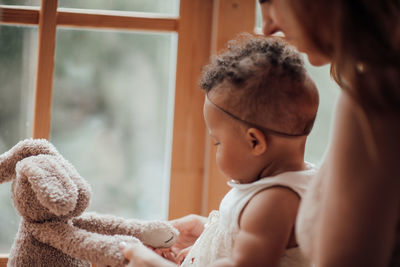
(51, 197)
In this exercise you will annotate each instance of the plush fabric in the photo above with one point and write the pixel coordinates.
(51, 196)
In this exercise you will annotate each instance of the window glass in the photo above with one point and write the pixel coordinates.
(258, 17)
(156, 6)
(112, 116)
(320, 136)
(18, 52)
(20, 2)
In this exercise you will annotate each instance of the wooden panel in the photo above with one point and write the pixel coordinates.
(116, 20)
(92, 19)
(45, 69)
(3, 260)
(188, 145)
(19, 15)
(230, 17)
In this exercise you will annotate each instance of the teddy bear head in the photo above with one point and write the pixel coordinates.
(45, 186)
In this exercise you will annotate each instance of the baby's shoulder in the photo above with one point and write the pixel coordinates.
(275, 196)
(272, 204)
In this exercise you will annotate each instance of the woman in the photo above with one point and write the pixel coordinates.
(351, 214)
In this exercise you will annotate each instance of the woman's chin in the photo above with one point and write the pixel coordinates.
(317, 59)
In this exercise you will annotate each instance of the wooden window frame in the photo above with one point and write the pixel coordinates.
(203, 27)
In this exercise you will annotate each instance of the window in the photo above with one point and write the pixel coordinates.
(155, 6)
(112, 99)
(21, 2)
(112, 96)
(18, 53)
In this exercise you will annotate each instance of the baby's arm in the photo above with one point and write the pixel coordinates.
(152, 233)
(266, 225)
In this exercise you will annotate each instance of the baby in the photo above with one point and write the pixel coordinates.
(259, 108)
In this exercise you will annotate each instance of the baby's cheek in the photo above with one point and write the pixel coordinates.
(221, 160)
(218, 158)
(226, 163)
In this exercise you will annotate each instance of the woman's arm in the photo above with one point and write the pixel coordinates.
(360, 207)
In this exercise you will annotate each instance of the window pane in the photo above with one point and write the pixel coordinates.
(112, 116)
(18, 52)
(258, 16)
(157, 6)
(329, 91)
(20, 2)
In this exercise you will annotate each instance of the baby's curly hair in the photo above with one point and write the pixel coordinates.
(263, 81)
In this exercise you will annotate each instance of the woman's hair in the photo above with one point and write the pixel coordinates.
(362, 37)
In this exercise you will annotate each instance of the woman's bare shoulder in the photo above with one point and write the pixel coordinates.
(360, 196)
(358, 180)
(365, 142)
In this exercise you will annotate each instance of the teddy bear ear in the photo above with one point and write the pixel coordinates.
(7, 167)
(51, 183)
(23, 149)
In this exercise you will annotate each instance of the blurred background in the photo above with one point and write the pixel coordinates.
(112, 111)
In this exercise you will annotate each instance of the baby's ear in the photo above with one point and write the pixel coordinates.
(51, 183)
(257, 141)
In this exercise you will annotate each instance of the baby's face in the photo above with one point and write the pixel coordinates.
(233, 153)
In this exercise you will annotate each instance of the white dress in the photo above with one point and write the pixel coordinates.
(218, 237)
(308, 214)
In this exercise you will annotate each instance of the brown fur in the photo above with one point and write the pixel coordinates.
(51, 197)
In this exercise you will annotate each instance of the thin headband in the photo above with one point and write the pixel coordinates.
(306, 131)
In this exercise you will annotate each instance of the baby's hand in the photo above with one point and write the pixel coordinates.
(166, 253)
(182, 255)
(139, 255)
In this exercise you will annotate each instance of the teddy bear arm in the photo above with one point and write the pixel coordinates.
(152, 233)
(108, 224)
(81, 244)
